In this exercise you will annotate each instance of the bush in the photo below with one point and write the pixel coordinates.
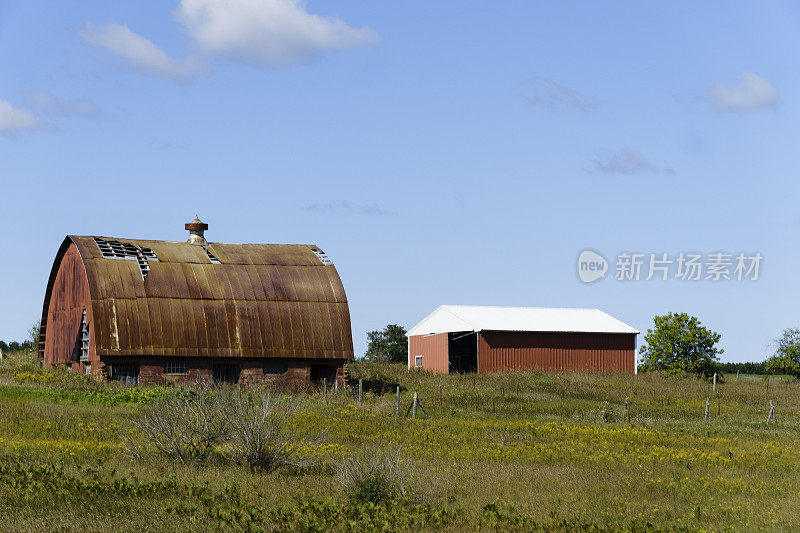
(786, 359)
(34, 377)
(374, 477)
(262, 435)
(191, 425)
(185, 426)
(606, 412)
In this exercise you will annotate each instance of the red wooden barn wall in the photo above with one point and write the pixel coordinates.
(70, 296)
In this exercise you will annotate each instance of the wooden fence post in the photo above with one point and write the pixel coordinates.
(360, 390)
(397, 406)
(324, 388)
(625, 414)
(771, 415)
(714, 385)
(706, 418)
(413, 407)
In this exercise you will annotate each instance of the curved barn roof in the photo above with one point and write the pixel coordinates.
(236, 300)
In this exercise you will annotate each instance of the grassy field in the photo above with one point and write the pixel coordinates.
(504, 452)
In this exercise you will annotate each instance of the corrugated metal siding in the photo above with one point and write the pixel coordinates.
(602, 352)
(262, 301)
(433, 349)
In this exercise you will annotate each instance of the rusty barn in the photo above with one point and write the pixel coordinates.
(461, 338)
(146, 311)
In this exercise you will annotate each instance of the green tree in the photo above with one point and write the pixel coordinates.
(786, 359)
(33, 336)
(679, 343)
(389, 345)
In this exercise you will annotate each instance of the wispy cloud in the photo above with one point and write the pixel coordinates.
(749, 92)
(58, 107)
(359, 209)
(262, 32)
(626, 161)
(141, 53)
(549, 94)
(13, 120)
(267, 32)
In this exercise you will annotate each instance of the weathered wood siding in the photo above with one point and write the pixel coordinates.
(69, 297)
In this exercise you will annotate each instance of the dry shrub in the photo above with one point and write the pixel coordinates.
(374, 476)
(249, 427)
(186, 426)
(607, 413)
(263, 435)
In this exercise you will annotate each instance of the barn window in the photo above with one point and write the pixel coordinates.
(275, 368)
(124, 372)
(418, 361)
(87, 368)
(322, 256)
(69, 368)
(176, 367)
(124, 250)
(211, 257)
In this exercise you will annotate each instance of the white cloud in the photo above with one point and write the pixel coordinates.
(625, 161)
(749, 92)
(267, 31)
(140, 52)
(59, 107)
(547, 93)
(13, 120)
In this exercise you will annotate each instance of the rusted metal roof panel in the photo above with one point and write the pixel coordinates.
(173, 252)
(253, 280)
(231, 254)
(191, 281)
(247, 312)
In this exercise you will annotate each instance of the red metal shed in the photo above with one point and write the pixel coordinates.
(459, 338)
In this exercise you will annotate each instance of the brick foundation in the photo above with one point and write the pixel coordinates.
(251, 371)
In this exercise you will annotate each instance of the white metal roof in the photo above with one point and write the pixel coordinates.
(452, 318)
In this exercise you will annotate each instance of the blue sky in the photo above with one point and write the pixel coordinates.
(440, 152)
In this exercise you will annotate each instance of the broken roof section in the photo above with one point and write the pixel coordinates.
(454, 318)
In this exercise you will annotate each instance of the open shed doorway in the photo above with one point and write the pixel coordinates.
(462, 349)
(320, 371)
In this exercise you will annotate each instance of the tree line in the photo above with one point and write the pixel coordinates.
(31, 344)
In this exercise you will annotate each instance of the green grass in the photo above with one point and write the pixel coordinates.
(525, 451)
